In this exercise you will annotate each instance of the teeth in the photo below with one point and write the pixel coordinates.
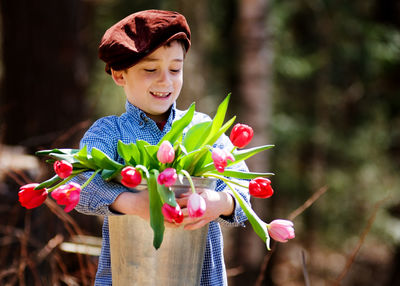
(160, 94)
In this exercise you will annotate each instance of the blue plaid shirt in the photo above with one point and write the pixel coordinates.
(96, 198)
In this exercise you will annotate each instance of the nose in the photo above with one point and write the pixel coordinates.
(165, 77)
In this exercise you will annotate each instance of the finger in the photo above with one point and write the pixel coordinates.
(186, 194)
(185, 212)
(182, 202)
(196, 225)
(190, 220)
(171, 224)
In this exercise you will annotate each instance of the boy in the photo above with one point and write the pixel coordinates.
(144, 54)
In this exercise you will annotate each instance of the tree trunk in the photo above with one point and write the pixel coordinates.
(44, 69)
(254, 99)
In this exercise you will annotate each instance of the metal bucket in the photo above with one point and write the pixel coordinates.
(178, 261)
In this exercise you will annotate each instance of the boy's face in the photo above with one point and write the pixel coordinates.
(154, 83)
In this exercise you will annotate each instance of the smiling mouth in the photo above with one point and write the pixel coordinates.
(160, 94)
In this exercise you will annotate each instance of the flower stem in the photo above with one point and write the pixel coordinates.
(207, 174)
(61, 183)
(90, 179)
(187, 175)
(260, 227)
(144, 169)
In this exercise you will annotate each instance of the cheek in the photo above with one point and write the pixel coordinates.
(178, 83)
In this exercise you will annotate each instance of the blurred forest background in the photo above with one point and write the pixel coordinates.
(317, 78)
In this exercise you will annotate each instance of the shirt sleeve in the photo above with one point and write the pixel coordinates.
(98, 195)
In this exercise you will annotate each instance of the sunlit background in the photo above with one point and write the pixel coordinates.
(319, 79)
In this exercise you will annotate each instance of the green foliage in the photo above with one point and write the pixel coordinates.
(336, 98)
(192, 144)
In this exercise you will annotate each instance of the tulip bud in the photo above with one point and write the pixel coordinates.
(260, 188)
(220, 158)
(31, 198)
(172, 214)
(281, 230)
(241, 135)
(196, 205)
(130, 177)
(67, 195)
(167, 177)
(166, 153)
(63, 168)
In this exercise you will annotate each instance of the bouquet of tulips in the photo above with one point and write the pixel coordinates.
(180, 153)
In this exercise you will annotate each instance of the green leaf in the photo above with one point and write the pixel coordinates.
(239, 156)
(85, 159)
(66, 157)
(197, 135)
(48, 183)
(151, 151)
(219, 118)
(156, 216)
(108, 175)
(194, 158)
(178, 126)
(57, 151)
(242, 175)
(128, 152)
(144, 156)
(221, 131)
(166, 195)
(102, 161)
(244, 154)
(77, 165)
(259, 227)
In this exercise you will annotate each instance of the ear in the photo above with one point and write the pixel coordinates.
(118, 77)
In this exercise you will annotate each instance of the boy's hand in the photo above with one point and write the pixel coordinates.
(217, 204)
(132, 204)
(136, 204)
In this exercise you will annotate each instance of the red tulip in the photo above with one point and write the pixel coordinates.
(196, 205)
(220, 158)
(281, 230)
(167, 177)
(260, 188)
(31, 198)
(241, 135)
(63, 168)
(172, 214)
(67, 195)
(166, 153)
(130, 177)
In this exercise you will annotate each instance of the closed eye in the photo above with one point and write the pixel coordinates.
(150, 70)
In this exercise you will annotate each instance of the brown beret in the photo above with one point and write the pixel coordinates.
(139, 34)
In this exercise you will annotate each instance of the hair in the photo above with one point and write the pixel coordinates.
(181, 42)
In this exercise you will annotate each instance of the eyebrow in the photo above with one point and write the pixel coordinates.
(156, 60)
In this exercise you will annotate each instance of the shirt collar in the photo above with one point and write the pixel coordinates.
(139, 115)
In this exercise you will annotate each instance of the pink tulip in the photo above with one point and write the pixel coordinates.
(166, 153)
(167, 177)
(130, 177)
(67, 195)
(281, 230)
(241, 135)
(172, 214)
(220, 158)
(260, 188)
(63, 168)
(196, 205)
(31, 198)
